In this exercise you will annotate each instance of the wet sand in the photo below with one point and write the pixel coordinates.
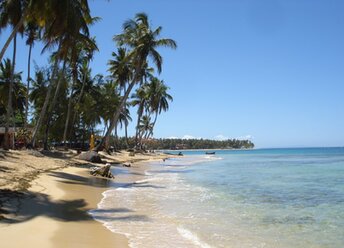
(48, 203)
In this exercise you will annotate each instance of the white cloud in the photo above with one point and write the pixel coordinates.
(221, 137)
(246, 137)
(187, 136)
(172, 137)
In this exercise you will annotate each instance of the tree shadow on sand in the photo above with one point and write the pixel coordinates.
(19, 207)
(98, 181)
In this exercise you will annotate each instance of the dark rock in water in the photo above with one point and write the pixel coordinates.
(91, 156)
(126, 165)
(103, 171)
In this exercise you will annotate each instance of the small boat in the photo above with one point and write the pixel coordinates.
(210, 153)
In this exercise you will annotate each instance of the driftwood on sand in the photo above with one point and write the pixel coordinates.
(103, 171)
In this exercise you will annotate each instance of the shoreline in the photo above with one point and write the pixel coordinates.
(48, 213)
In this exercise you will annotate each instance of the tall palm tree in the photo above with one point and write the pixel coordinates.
(11, 13)
(124, 119)
(32, 34)
(63, 32)
(89, 100)
(39, 89)
(81, 53)
(143, 41)
(140, 99)
(18, 93)
(120, 67)
(109, 101)
(84, 85)
(159, 97)
(146, 128)
(40, 12)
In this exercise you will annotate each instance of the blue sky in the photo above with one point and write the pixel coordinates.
(269, 70)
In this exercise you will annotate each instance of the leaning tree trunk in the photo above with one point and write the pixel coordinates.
(12, 35)
(139, 115)
(52, 106)
(76, 105)
(28, 87)
(69, 110)
(116, 115)
(9, 112)
(153, 125)
(126, 134)
(45, 104)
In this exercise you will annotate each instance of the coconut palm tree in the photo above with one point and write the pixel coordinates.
(124, 119)
(18, 92)
(140, 99)
(39, 89)
(88, 106)
(81, 53)
(10, 14)
(31, 32)
(64, 31)
(142, 41)
(40, 12)
(146, 128)
(120, 67)
(158, 97)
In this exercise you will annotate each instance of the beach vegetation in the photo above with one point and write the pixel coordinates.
(65, 101)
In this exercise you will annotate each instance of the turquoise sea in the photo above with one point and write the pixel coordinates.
(240, 198)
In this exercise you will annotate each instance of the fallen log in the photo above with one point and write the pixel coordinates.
(103, 171)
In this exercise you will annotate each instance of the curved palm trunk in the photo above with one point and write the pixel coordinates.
(140, 112)
(67, 119)
(9, 112)
(69, 111)
(116, 115)
(115, 138)
(28, 87)
(45, 104)
(12, 35)
(77, 104)
(153, 125)
(52, 105)
(126, 134)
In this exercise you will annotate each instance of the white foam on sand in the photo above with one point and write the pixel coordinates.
(144, 212)
(187, 234)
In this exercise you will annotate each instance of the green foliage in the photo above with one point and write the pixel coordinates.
(18, 94)
(176, 144)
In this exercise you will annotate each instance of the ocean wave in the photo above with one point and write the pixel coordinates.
(187, 234)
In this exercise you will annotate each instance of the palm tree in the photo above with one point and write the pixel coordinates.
(40, 12)
(120, 67)
(110, 100)
(159, 98)
(32, 35)
(143, 41)
(124, 119)
(88, 92)
(39, 89)
(86, 82)
(146, 128)
(63, 31)
(140, 99)
(81, 53)
(11, 13)
(18, 93)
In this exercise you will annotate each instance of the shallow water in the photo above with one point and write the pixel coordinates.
(257, 198)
